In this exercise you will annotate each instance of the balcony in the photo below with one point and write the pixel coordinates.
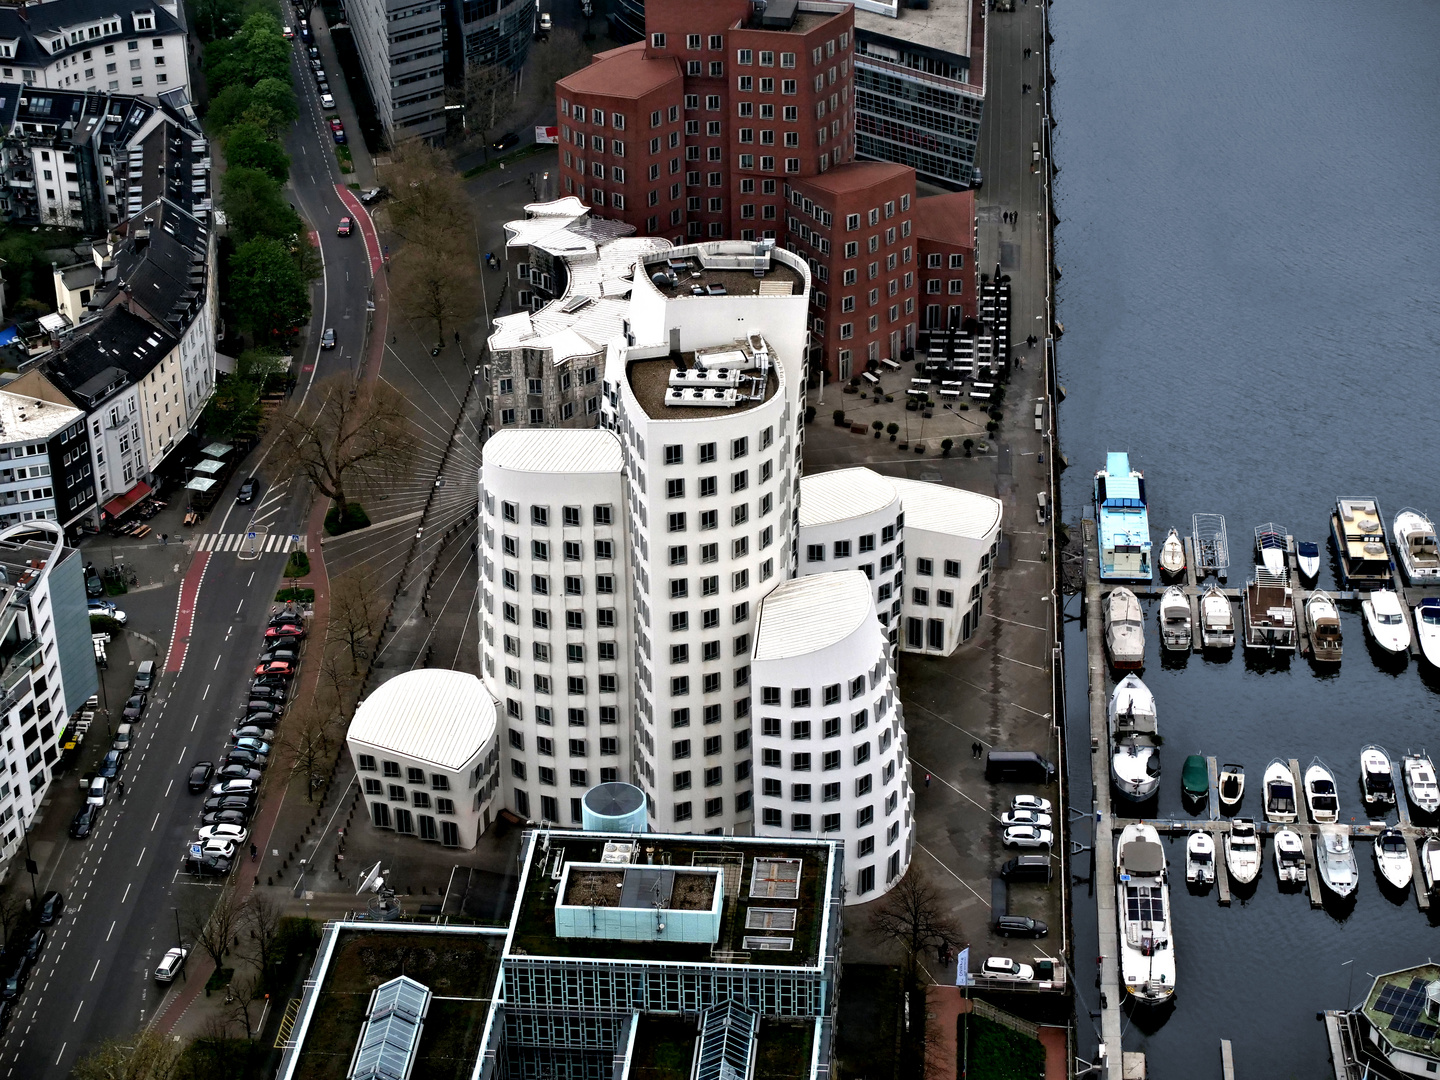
(20, 664)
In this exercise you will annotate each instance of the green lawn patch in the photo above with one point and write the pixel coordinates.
(355, 518)
(508, 159)
(298, 565)
(997, 1053)
(295, 596)
(347, 162)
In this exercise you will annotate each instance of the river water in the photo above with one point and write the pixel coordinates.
(1250, 221)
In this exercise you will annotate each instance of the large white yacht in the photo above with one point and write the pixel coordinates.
(1135, 760)
(1420, 782)
(1336, 858)
(1385, 619)
(1242, 851)
(1147, 951)
(1416, 547)
(1125, 629)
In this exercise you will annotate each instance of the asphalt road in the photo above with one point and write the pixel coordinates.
(124, 884)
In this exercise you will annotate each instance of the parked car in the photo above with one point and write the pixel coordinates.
(252, 731)
(104, 607)
(1028, 836)
(216, 803)
(200, 774)
(99, 788)
(323, 89)
(235, 785)
(284, 651)
(51, 905)
(134, 707)
(84, 821)
(259, 747)
(275, 667)
(545, 22)
(504, 142)
(236, 774)
(170, 964)
(1030, 802)
(34, 945)
(256, 708)
(335, 123)
(1020, 926)
(237, 834)
(283, 631)
(110, 764)
(345, 228)
(286, 616)
(245, 758)
(338, 134)
(372, 195)
(211, 865)
(248, 490)
(315, 59)
(314, 52)
(327, 339)
(979, 181)
(124, 739)
(225, 817)
(326, 101)
(17, 970)
(268, 692)
(1002, 967)
(93, 585)
(213, 848)
(1025, 817)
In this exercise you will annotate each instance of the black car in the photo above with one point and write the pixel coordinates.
(257, 719)
(1020, 926)
(260, 691)
(247, 758)
(200, 776)
(133, 708)
(248, 490)
(225, 817)
(15, 978)
(85, 819)
(216, 865)
(110, 764)
(257, 707)
(504, 142)
(280, 652)
(228, 802)
(34, 945)
(51, 905)
(274, 680)
(238, 772)
(286, 615)
(6, 1009)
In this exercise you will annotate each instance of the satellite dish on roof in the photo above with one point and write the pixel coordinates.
(371, 881)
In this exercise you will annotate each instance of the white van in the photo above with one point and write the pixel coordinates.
(145, 676)
(123, 739)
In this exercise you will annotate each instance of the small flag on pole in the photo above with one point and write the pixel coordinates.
(962, 967)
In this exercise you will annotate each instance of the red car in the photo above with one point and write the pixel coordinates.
(275, 667)
(335, 124)
(346, 225)
(286, 630)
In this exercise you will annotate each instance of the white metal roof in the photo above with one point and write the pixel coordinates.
(23, 418)
(554, 450)
(952, 510)
(807, 614)
(842, 494)
(433, 714)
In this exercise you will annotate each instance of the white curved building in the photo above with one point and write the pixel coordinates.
(711, 517)
(829, 732)
(555, 636)
(424, 746)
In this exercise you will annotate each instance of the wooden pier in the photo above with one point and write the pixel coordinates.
(1227, 1061)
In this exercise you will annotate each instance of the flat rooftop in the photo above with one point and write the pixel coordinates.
(944, 27)
(777, 280)
(1396, 1008)
(665, 1048)
(785, 909)
(459, 969)
(649, 379)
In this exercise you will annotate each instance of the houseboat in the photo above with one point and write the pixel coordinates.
(1123, 520)
(1359, 535)
(1269, 613)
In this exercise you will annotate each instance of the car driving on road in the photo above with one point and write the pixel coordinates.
(200, 774)
(248, 490)
(345, 228)
(327, 339)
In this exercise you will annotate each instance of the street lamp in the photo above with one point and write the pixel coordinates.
(29, 860)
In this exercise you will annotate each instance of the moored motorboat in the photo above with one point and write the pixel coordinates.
(1124, 630)
(1200, 858)
(1416, 547)
(1279, 793)
(1232, 787)
(1123, 520)
(1427, 629)
(1271, 546)
(1175, 620)
(1195, 778)
(1385, 619)
(1420, 782)
(1217, 619)
(1242, 851)
(1430, 862)
(1323, 619)
(1172, 555)
(1335, 856)
(1320, 793)
(1268, 609)
(1377, 778)
(1289, 857)
(1307, 557)
(1147, 952)
(1135, 760)
(1392, 858)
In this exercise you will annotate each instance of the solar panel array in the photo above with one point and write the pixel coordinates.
(1144, 903)
(1406, 1006)
(392, 1031)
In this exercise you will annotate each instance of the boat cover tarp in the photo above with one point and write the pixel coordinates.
(1144, 857)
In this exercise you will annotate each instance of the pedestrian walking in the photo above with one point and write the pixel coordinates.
(121, 785)
(927, 779)
(254, 852)
(976, 749)
(164, 539)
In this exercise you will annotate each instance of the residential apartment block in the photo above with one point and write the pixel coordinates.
(45, 467)
(95, 46)
(47, 666)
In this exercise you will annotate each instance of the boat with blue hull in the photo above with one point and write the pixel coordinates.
(1124, 521)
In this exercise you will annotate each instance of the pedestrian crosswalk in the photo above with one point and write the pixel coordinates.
(261, 543)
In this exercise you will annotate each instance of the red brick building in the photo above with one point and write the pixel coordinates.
(945, 228)
(725, 123)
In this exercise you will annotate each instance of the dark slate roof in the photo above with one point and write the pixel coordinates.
(162, 264)
(34, 26)
(116, 349)
(9, 104)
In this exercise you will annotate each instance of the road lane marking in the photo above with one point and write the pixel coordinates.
(77, 1011)
(182, 756)
(252, 572)
(127, 887)
(239, 606)
(207, 692)
(217, 661)
(112, 927)
(62, 1052)
(155, 822)
(97, 965)
(194, 722)
(167, 790)
(142, 855)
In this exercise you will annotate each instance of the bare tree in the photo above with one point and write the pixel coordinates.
(245, 999)
(356, 612)
(428, 205)
(349, 435)
(310, 737)
(214, 930)
(142, 1056)
(913, 915)
(489, 95)
(262, 919)
(434, 285)
(12, 916)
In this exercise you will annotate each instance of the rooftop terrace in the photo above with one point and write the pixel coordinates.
(650, 379)
(767, 918)
(1396, 1006)
(692, 274)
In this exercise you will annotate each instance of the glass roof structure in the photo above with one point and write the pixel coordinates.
(392, 1031)
(727, 1042)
